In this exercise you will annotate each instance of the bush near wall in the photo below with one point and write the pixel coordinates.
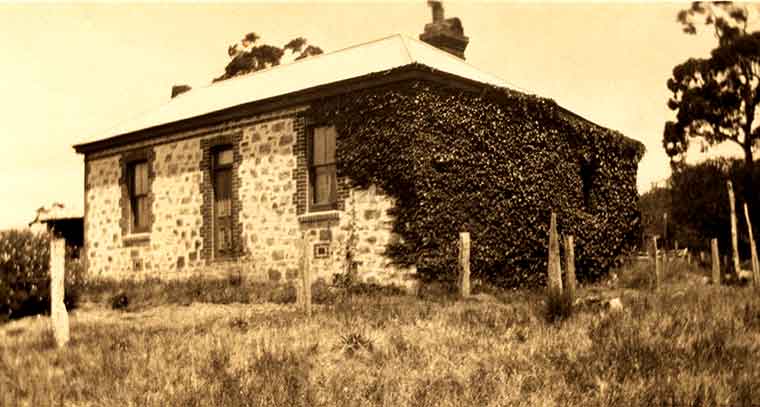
(25, 275)
(495, 165)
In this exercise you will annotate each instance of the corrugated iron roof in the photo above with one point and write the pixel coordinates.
(372, 57)
(56, 211)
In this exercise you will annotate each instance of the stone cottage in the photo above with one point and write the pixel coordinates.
(236, 174)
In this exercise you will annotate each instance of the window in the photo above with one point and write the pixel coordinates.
(322, 176)
(222, 176)
(588, 171)
(138, 196)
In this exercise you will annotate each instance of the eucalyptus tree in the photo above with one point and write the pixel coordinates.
(249, 56)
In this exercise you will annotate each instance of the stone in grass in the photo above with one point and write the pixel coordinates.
(120, 301)
(599, 303)
(744, 276)
(615, 305)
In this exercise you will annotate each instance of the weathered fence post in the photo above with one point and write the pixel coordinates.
(656, 263)
(570, 267)
(734, 244)
(554, 271)
(715, 262)
(752, 250)
(305, 291)
(464, 264)
(58, 314)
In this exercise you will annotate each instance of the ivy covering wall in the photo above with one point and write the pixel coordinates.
(496, 164)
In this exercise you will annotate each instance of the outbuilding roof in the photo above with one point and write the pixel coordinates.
(372, 57)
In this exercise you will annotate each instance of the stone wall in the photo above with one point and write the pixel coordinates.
(269, 185)
(358, 235)
(267, 190)
(103, 213)
(175, 241)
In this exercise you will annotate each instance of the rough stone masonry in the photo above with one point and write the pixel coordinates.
(269, 209)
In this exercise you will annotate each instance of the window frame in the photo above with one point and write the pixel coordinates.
(215, 168)
(588, 173)
(134, 227)
(331, 204)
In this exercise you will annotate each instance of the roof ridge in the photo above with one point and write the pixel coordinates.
(463, 61)
(406, 48)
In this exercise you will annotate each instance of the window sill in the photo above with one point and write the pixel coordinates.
(136, 239)
(319, 216)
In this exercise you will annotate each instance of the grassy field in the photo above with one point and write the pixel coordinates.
(689, 344)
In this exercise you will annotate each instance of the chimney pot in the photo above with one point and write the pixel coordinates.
(437, 8)
(445, 34)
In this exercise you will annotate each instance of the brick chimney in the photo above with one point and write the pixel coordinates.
(179, 89)
(446, 34)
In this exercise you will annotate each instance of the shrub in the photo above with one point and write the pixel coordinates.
(437, 291)
(283, 294)
(25, 275)
(356, 341)
(349, 284)
(558, 308)
(322, 293)
(120, 301)
(637, 275)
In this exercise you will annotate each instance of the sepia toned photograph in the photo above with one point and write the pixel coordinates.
(380, 203)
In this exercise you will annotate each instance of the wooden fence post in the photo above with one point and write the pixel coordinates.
(656, 263)
(58, 314)
(752, 250)
(570, 267)
(464, 264)
(305, 291)
(715, 261)
(554, 270)
(734, 244)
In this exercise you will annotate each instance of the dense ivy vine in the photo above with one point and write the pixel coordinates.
(494, 165)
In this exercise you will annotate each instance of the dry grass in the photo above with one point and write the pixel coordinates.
(689, 344)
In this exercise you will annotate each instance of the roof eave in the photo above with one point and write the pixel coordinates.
(413, 71)
(404, 73)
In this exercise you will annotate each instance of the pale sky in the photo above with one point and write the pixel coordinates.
(71, 72)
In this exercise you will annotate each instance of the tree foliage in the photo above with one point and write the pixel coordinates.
(716, 98)
(248, 56)
(25, 275)
(697, 204)
(495, 166)
(654, 204)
